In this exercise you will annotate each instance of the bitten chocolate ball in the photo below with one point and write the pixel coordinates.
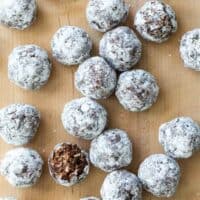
(104, 15)
(84, 118)
(155, 21)
(19, 14)
(95, 78)
(29, 67)
(71, 45)
(68, 164)
(121, 48)
(137, 90)
(22, 167)
(180, 137)
(90, 198)
(19, 123)
(159, 175)
(121, 185)
(111, 150)
(190, 49)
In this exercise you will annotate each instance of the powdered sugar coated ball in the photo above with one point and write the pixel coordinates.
(29, 67)
(22, 167)
(104, 15)
(137, 90)
(71, 45)
(19, 123)
(95, 78)
(155, 21)
(159, 175)
(180, 137)
(19, 14)
(111, 150)
(121, 48)
(190, 49)
(121, 185)
(84, 118)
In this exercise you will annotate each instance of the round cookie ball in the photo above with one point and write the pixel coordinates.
(180, 137)
(71, 45)
(29, 67)
(121, 48)
(155, 21)
(159, 175)
(22, 167)
(137, 90)
(121, 185)
(111, 150)
(90, 198)
(18, 14)
(68, 164)
(190, 49)
(84, 118)
(95, 78)
(19, 123)
(103, 15)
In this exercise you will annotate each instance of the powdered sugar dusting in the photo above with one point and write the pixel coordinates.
(104, 15)
(22, 167)
(111, 150)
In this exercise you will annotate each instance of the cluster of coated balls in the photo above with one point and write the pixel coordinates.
(29, 67)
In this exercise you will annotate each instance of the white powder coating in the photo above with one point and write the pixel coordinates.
(8, 198)
(190, 49)
(121, 48)
(159, 175)
(71, 45)
(95, 78)
(74, 179)
(121, 185)
(84, 118)
(180, 137)
(22, 167)
(29, 67)
(19, 123)
(19, 14)
(137, 90)
(104, 15)
(155, 21)
(90, 198)
(111, 150)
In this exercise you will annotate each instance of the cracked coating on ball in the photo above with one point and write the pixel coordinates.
(190, 49)
(19, 123)
(155, 21)
(137, 90)
(90, 198)
(111, 150)
(29, 67)
(159, 175)
(95, 78)
(71, 45)
(180, 137)
(19, 14)
(121, 185)
(121, 48)
(103, 15)
(84, 118)
(22, 167)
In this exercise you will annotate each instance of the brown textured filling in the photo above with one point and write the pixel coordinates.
(68, 161)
